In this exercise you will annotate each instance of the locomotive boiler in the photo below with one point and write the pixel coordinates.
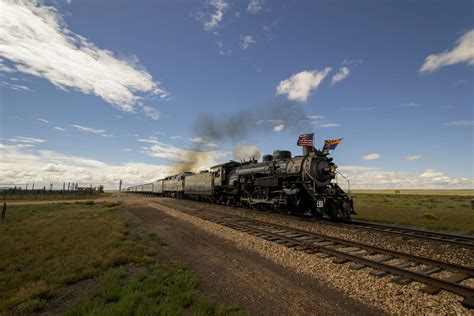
(302, 184)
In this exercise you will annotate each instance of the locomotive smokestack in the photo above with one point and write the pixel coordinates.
(306, 150)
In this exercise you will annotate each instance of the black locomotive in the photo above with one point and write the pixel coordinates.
(298, 185)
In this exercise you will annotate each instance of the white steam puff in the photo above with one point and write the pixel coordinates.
(246, 152)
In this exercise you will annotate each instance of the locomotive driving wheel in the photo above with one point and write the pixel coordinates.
(245, 199)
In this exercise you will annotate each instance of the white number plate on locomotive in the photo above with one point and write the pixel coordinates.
(320, 203)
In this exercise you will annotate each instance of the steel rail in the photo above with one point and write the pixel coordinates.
(459, 240)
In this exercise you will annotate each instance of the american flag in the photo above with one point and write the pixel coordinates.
(305, 140)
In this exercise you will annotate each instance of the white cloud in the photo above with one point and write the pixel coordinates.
(246, 41)
(151, 112)
(316, 117)
(38, 42)
(224, 52)
(276, 122)
(43, 120)
(371, 156)
(216, 16)
(59, 128)
(278, 125)
(413, 157)
(19, 166)
(463, 52)
(246, 152)
(460, 123)
(14, 86)
(327, 125)
(431, 173)
(352, 62)
(85, 129)
(341, 75)
(299, 86)
(198, 139)
(278, 128)
(410, 105)
(126, 149)
(26, 140)
(53, 168)
(255, 6)
(161, 150)
(374, 178)
(237, 14)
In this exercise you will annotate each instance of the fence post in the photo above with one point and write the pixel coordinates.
(4, 211)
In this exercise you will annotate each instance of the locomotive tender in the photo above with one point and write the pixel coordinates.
(298, 185)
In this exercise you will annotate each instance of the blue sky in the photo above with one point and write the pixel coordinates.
(98, 91)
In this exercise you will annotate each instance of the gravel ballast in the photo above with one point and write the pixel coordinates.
(423, 248)
(358, 284)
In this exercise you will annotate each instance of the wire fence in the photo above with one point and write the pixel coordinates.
(44, 193)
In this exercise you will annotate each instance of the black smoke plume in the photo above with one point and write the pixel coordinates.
(263, 118)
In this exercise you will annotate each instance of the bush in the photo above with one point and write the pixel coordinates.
(90, 202)
(429, 215)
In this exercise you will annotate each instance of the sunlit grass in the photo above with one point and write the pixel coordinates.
(450, 213)
(46, 249)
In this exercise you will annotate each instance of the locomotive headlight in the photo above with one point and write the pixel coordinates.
(331, 169)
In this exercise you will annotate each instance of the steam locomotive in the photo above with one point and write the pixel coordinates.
(296, 185)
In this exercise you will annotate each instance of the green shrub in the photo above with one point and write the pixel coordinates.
(89, 202)
(30, 306)
(429, 215)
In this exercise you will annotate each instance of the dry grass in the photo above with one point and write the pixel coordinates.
(467, 192)
(48, 248)
(451, 213)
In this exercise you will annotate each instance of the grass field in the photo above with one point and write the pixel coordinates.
(427, 209)
(466, 192)
(85, 258)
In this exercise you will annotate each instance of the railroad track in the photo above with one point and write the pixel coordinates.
(405, 267)
(407, 233)
(457, 240)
